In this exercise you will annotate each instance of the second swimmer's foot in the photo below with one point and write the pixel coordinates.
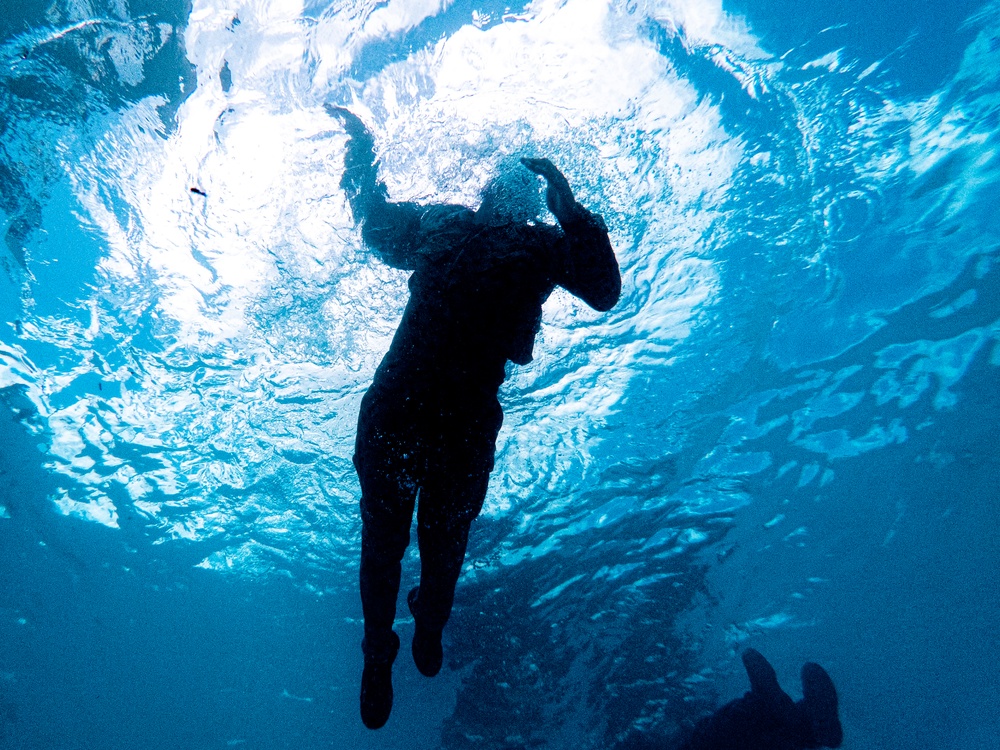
(428, 654)
(819, 698)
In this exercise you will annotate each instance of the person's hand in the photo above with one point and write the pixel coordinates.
(353, 124)
(559, 196)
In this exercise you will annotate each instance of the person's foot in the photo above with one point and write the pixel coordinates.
(376, 686)
(763, 678)
(819, 699)
(428, 654)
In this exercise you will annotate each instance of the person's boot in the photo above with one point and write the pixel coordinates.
(764, 681)
(376, 685)
(427, 652)
(819, 701)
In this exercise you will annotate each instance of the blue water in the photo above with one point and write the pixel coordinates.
(783, 437)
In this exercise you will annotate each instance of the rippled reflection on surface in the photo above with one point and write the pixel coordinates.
(780, 437)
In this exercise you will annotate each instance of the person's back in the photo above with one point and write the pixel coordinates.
(474, 304)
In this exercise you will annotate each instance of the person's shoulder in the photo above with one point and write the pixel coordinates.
(438, 217)
(442, 228)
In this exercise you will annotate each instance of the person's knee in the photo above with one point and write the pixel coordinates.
(445, 530)
(454, 497)
(386, 535)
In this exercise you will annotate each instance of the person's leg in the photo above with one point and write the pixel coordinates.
(388, 491)
(452, 491)
(446, 509)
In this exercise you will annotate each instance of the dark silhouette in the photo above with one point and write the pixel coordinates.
(428, 423)
(766, 718)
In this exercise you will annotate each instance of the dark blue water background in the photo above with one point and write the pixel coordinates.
(784, 436)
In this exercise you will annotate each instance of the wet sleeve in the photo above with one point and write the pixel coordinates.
(389, 229)
(588, 268)
(398, 233)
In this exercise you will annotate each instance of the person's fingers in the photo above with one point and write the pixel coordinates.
(545, 168)
(534, 165)
(353, 124)
(342, 112)
(542, 167)
(559, 195)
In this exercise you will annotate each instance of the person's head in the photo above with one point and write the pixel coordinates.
(513, 196)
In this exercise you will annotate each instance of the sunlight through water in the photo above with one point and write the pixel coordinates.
(783, 436)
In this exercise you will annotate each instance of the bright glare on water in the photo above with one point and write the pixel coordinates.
(784, 435)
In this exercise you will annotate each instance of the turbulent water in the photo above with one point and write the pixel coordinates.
(784, 436)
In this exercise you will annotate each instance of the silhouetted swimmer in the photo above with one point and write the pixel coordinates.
(766, 718)
(428, 423)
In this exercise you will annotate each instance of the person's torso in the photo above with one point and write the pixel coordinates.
(475, 301)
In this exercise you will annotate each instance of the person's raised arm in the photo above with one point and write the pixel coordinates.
(590, 269)
(390, 229)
